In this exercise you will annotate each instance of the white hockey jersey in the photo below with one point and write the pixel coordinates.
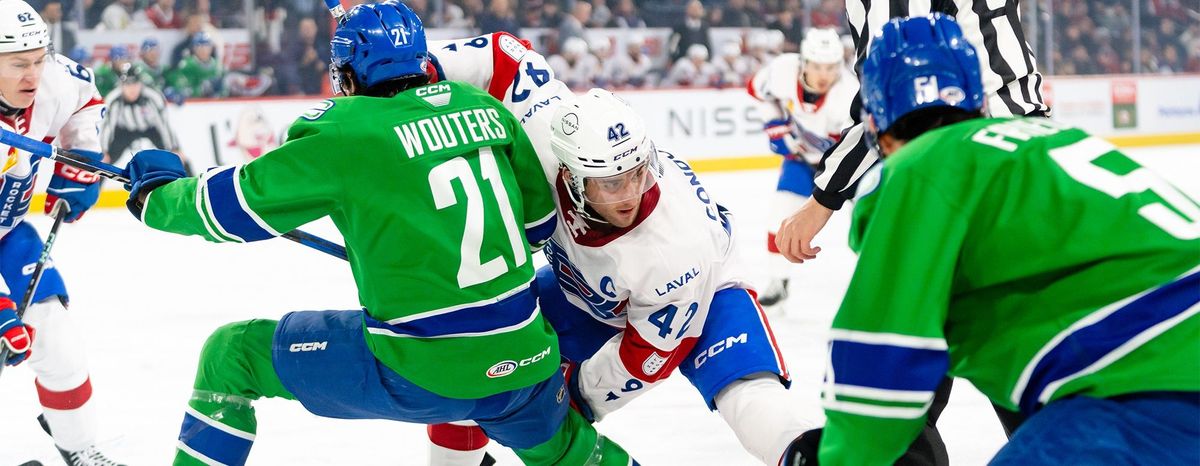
(777, 87)
(66, 110)
(655, 279)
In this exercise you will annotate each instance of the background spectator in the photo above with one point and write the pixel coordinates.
(572, 25)
(631, 67)
(118, 15)
(499, 17)
(575, 66)
(61, 35)
(692, 30)
(626, 16)
(307, 63)
(162, 14)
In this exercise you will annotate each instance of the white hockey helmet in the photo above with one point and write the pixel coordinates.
(21, 27)
(821, 46)
(602, 143)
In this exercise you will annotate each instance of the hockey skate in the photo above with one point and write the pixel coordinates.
(775, 294)
(89, 456)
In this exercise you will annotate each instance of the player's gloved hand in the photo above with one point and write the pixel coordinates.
(803, 450)
(147, 170)
(78, 188)
(782, 135)
(14, 334)
(571, 376)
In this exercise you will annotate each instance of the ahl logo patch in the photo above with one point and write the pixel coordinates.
(502, 369)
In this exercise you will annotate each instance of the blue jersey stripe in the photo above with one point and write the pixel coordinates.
(228, 210)
(1089, 344)
(887, 367)
(213, 442)
(538, 234)
(508, 312)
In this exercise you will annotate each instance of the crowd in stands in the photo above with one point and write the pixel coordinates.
(290, 49)
(1096, 37)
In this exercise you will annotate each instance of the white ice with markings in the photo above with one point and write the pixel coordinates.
(147, 300)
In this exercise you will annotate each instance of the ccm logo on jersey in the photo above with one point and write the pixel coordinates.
(717, 348)
(678, 282)
(310, 346)
(433, 89)
(509, 366)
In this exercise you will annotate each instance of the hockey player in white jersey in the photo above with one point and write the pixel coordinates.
(805, 100)
(47, 97)
(624, 320)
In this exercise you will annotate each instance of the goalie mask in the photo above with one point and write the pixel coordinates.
(602, 146)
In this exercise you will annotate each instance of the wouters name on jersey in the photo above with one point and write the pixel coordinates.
(781, 94)
(66, 104)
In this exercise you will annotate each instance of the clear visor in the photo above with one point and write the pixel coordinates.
(621, 187)
(18, 65)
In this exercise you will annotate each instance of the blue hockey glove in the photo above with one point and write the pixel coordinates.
(147, 170)
(571, 376)
(78, 188)
(783, 137)
(14, 334)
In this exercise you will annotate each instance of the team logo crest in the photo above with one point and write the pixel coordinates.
(653, 364)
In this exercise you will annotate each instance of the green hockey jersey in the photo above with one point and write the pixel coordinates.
(198, 79)
(1032, 259)
(438, 194)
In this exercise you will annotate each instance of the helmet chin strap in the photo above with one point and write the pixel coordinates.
(7, 109)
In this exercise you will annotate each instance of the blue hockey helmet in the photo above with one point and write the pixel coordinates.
(379, 42)
(118, 52)
(916, 63)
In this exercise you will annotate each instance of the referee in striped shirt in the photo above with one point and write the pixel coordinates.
(137, 118)
(1010, 77)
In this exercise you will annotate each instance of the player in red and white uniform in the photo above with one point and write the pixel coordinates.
(805, 100)
(633, 292)
(50, 98)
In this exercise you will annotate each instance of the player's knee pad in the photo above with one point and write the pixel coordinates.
(796, 176)
(228, 356)
(763, 415)
(737, 341)
(58, 360)
(19, 253)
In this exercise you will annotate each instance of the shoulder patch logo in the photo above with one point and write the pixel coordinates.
(437, 95)
(318, 110)
(653, 364)
(511, 46)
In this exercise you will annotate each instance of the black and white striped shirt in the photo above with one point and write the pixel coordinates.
(146, 114)
(1009, 71)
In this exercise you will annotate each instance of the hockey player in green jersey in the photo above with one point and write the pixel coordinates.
(1036, 261)
(439, 196)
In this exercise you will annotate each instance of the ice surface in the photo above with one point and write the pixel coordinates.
(147, 300)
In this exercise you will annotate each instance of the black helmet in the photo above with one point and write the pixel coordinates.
(128, 73)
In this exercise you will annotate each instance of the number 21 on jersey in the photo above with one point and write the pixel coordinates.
(472, 269)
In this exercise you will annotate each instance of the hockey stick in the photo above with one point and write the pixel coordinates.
(60, 211)
(111, 172)
(336, 10)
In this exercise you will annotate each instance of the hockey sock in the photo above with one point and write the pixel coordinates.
(456, 445)
(763, 415)
(235, 369)
(217, 429)
(576, 444)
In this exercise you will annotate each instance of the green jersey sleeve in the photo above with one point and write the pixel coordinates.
(888, 352)
(536, 194)
(272, 195)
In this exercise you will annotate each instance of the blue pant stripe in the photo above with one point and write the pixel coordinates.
(213, 442)
(227, 209)
(1091, 343)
